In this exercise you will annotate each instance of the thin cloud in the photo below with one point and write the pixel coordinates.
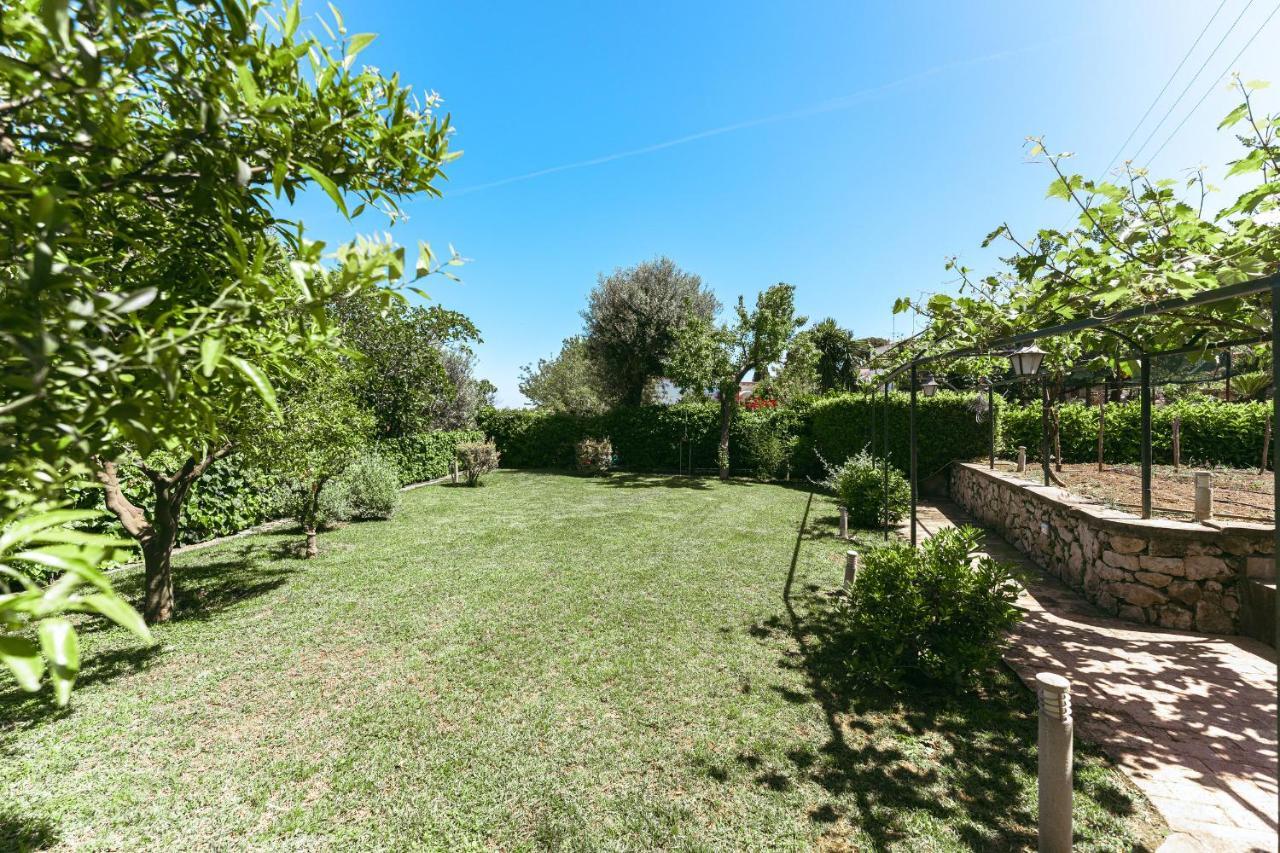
(841, 103)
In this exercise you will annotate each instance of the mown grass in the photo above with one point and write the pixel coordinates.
(546, 662)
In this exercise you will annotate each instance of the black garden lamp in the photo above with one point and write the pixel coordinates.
(930, 386)
(1026, 361)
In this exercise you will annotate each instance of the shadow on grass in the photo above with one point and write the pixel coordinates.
(965, 760)
(21, 833)
(200, 592)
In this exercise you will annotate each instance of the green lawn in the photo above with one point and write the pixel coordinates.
(543, 662)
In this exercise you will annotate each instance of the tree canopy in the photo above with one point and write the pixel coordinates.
(632, 318)
(568, 382)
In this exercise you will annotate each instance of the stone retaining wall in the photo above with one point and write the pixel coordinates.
(1157, 572)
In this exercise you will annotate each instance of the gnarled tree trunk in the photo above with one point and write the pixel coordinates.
(158, 532)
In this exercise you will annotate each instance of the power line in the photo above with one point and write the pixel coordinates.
(1163, 89)
(1190, 82)
(1215, 83)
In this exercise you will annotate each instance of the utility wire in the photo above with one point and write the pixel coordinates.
(1163, 89)
(1190, 82)
(1215, 83)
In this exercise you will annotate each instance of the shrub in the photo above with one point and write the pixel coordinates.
(333, 508)
(931, 612)
(858, 485)
(595, 456)
(478, 458)
(373, 485)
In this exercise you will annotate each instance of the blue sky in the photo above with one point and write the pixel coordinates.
(846, 148)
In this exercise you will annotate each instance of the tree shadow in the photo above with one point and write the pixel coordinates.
(877, 763)
(20, 833)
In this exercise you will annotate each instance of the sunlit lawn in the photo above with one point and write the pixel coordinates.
(543, 662)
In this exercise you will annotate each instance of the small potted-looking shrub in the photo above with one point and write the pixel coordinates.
(594, 456)
(373, 483)
(859, 487)
(477, 458)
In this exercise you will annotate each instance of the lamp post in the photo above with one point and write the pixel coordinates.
(915, 386)
(985, 384)
(1026, 362)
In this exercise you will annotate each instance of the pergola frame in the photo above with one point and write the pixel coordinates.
(1002, 345)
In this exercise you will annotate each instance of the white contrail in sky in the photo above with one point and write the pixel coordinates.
(833, 105)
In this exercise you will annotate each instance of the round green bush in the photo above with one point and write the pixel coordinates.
(859, 486)
(373, 486)
(334, 506)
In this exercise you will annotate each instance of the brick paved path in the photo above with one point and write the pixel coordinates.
(1190, 718)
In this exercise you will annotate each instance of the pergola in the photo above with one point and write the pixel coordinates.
(1025, 359)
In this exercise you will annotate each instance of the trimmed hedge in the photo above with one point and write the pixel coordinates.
(1213, 432)
(648, 438)
(949, 426)
(425, 455)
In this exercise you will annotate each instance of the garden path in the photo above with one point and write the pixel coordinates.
(1190, 718)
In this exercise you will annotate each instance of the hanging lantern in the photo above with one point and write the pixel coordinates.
(929, 387)
(1026, 361)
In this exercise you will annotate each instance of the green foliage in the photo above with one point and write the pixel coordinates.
(45, 542)
(401, 374)
(950, 426)
(859, 486)
(569, 382)
(1251, 386)
(426, 455)
(931, 612)
(373, 486)
(478, 458)
(632, 318)
(594, 456)
(1213, 432)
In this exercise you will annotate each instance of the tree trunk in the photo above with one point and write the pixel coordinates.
(312, 548)
(309, 525)
(158, 533)
(1266, 445)
(727, 404)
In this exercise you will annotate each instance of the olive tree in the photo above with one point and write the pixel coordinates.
(632, 318)
(719, 357)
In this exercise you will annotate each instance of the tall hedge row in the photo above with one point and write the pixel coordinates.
(1212, 432)
(425, 455)
(649, 438)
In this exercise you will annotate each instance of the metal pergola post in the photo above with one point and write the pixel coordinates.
(912, 431)
(991, 416)
(1275, 442)
(1144, 362)
(1044, 429)
(885, 460)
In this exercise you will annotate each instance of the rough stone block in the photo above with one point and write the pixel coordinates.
(1213, 619)
(1136, 593)
(1152, 579)
(1120, 561)
(1173, 616)
(1164, 565)
(1166, 547)
(1185, 591)
(1203, 567)
(1127, 544)
(1133, 614)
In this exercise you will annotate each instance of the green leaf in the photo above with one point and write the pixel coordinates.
(259, 380)
(248, 86)
(136, 301)
(1059, 189)
(118, 611)
(1234, 116)
(61, 650)
(22, 656)
(359, 42)
(211, 350)
(327, 185)
(292, 16)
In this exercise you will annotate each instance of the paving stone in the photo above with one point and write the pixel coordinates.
(1189, 717)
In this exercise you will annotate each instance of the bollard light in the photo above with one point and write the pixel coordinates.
(1026, 361)
(851, 564)
(1054, 746)
(929, 387)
